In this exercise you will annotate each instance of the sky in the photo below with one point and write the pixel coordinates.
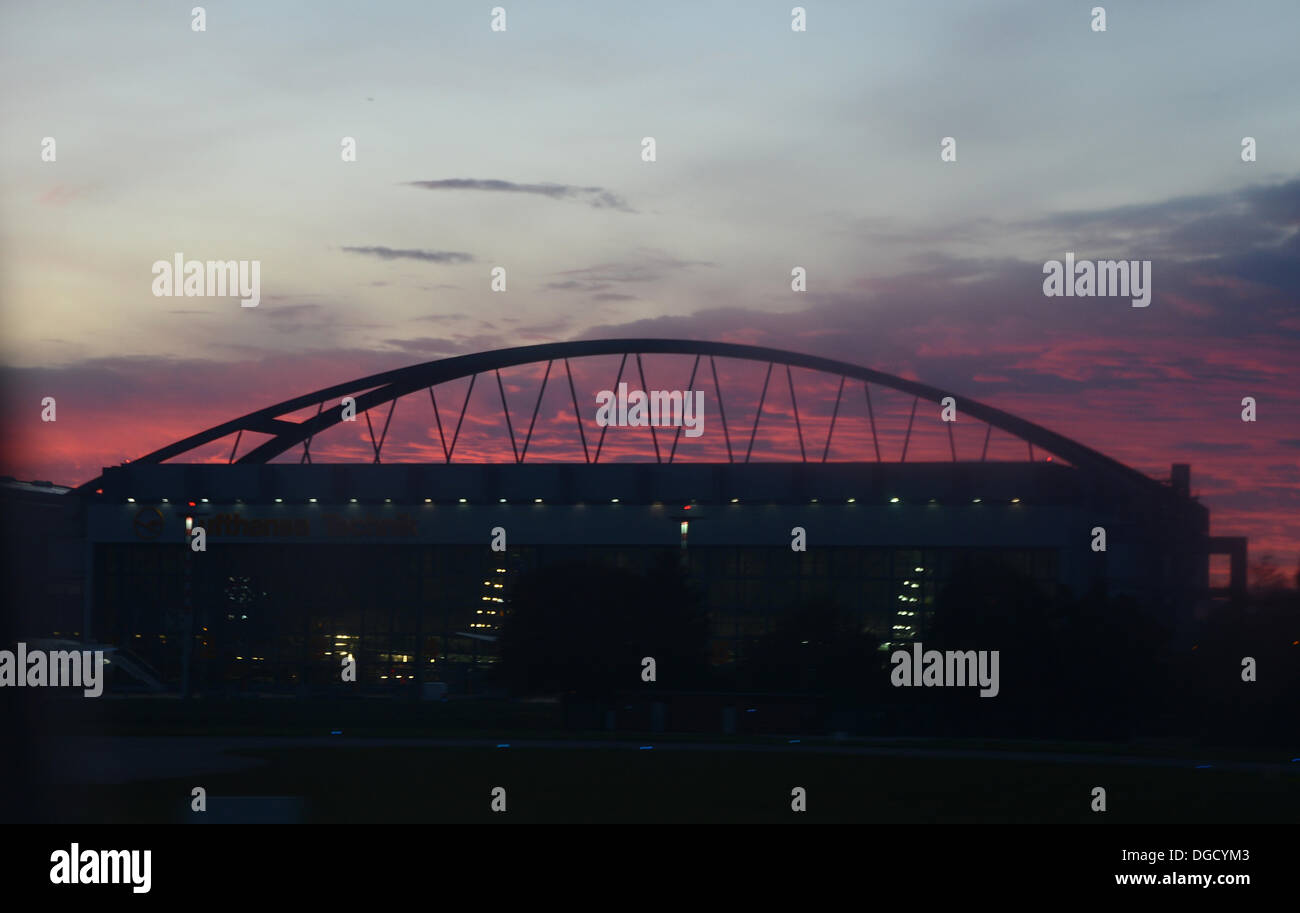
(774, 149)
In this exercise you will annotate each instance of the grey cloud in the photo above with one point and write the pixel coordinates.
(1260, 219)
(1252, 233)
(428, 256)
(596, 197)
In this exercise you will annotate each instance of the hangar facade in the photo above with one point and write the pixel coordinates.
(393, 562)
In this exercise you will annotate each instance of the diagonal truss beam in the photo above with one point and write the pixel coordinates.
(835, 412)
(386, 386)
(306, 445)
(690, 387)
(759, 414)
(506, 410)
(442, 437)
(536, 406)
(908, 436)
(646, 390)
(576, 414)
(794, 404)
(722, 412)
(871, 414)
(617, 381)
(460, 421)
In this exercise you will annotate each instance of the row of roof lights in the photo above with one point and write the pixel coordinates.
(893, 500)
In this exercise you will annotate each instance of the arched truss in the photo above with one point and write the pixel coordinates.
(389, 386)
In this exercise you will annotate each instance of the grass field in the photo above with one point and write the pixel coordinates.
(679, 781)
(403, 785)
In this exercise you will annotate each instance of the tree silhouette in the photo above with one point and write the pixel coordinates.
(586, 628)
(1075, 668)
(816, 648)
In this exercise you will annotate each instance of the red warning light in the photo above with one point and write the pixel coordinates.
(191, 503)
(687, 507)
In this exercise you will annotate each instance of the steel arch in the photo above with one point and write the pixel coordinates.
(388, 386)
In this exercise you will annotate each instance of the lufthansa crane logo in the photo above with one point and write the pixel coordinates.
(148, 523)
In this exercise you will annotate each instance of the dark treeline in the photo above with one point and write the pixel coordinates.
(1073, 667)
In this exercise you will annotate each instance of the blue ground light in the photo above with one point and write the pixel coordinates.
(504, 745)
(645, 747)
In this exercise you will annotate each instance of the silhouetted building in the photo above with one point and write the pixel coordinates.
(393, 564)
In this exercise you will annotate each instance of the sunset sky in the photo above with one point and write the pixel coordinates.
(775, 149)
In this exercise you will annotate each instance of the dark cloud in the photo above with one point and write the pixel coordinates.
(1250, 232)
(596, 197)
(428, 256)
